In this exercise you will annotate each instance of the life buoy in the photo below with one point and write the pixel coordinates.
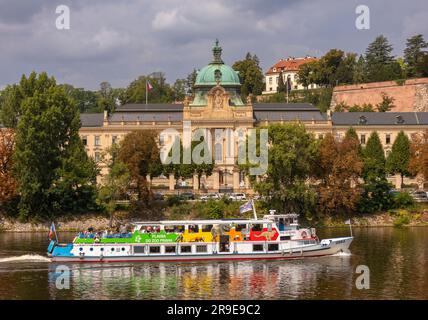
(304, 234)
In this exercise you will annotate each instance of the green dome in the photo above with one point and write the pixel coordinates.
(207, 75)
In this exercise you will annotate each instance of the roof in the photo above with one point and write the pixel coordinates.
(284, 107)
(146, 116)
(155, 107)
(289, 64)
(289, 116)
(380, 118)
(92, 119)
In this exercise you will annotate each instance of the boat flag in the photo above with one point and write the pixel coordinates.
(248, 206)
(348, 221)
(52, 232)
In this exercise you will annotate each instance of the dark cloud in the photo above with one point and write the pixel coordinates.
(119, 40)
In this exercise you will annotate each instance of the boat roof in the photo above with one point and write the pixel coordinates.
(219, 221)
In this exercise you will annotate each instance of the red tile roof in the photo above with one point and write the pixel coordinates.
(289, 64)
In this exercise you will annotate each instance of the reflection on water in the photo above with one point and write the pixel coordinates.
(397, 259)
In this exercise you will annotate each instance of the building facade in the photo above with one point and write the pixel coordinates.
(289, 69)
(218, 111)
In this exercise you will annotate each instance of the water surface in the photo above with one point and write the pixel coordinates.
(397, 259)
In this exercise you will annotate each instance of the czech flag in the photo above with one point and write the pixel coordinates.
(149, 87)
(52, 232)
(248, 206)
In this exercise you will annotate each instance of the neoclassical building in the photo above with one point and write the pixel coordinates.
(218, 110)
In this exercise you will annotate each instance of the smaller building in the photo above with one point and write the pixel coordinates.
(289, 68)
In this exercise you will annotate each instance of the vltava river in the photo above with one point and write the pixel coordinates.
(397, 260)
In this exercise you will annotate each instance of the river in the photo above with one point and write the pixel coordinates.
(397, 259)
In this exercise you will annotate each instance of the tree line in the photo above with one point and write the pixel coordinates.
(336, 176)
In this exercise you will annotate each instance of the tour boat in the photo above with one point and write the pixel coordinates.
(273, 237)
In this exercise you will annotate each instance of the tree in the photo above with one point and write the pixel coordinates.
(47, 141)
(250, 74)
(413, 53)
(399, 158)
(114, 187)
(380, 64)
(136, 91)
(418, 163)
(190, 82)
(422, 65)
(179, 89)
(86, 100)
(282, 86)
(340, 166)
(376, 194)
(290, 164)
(386, 104)
(140, 153)
(360, 70)
(308, 73)
(7, 181)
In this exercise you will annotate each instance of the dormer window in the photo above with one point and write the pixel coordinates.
(399, 120)
(362, 120)
(274, 69)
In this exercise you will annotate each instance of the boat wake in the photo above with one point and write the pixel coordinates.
(26, 257)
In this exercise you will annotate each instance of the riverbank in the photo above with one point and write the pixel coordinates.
(98, 221)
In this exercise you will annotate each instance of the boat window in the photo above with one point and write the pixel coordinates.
(240, 227)
(185, 249)
(201, 249)
(257, 227)
(139, 249)
(149, 229)
(269, 227)
(257, 247)
(207, 227)
(169, 229)
(285, 238)
(154, 249)
(193, 228)
(169, 249)
(273, 247)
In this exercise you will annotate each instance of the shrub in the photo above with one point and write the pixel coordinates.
(173, 200)
(402, 217)
(403, 200)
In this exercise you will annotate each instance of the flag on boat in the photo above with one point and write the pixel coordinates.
(348, 221)
(248, 206)
(52, 231)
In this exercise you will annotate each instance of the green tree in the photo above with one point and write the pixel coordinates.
(380, 63)
(413, 53)
(48, 149)
(291, 161)
(282, 86)
(136, 91)
(179, 89)
(376, 194)
(360, 70)
(250, 74)
(190, 82)
(386, 104)
(399, 158)
(86, 100)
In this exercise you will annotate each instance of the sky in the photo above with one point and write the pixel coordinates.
(117, 41)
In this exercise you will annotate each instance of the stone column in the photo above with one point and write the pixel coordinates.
(235, 179)
(149, 181)
(215, 178)
(195, 181)
(171, 182)
(397, 181)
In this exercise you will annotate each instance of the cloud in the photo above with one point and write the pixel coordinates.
(117, 41)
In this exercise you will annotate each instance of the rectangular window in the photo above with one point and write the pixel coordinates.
(257, 227)
(320, 136)
(139, 249)
(169, 249)
(201, 249)
(388, 139)
(207, 227)
(273, 247)
(186, 249)
(363, 139)
(97, 157)
(85, 140)
(277, 80)
(114, 139)
(284, 238)
(270, 80)
(97, 141)
(154, 249)
(257, 247)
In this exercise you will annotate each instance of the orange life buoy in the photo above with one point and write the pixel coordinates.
(304, 234)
